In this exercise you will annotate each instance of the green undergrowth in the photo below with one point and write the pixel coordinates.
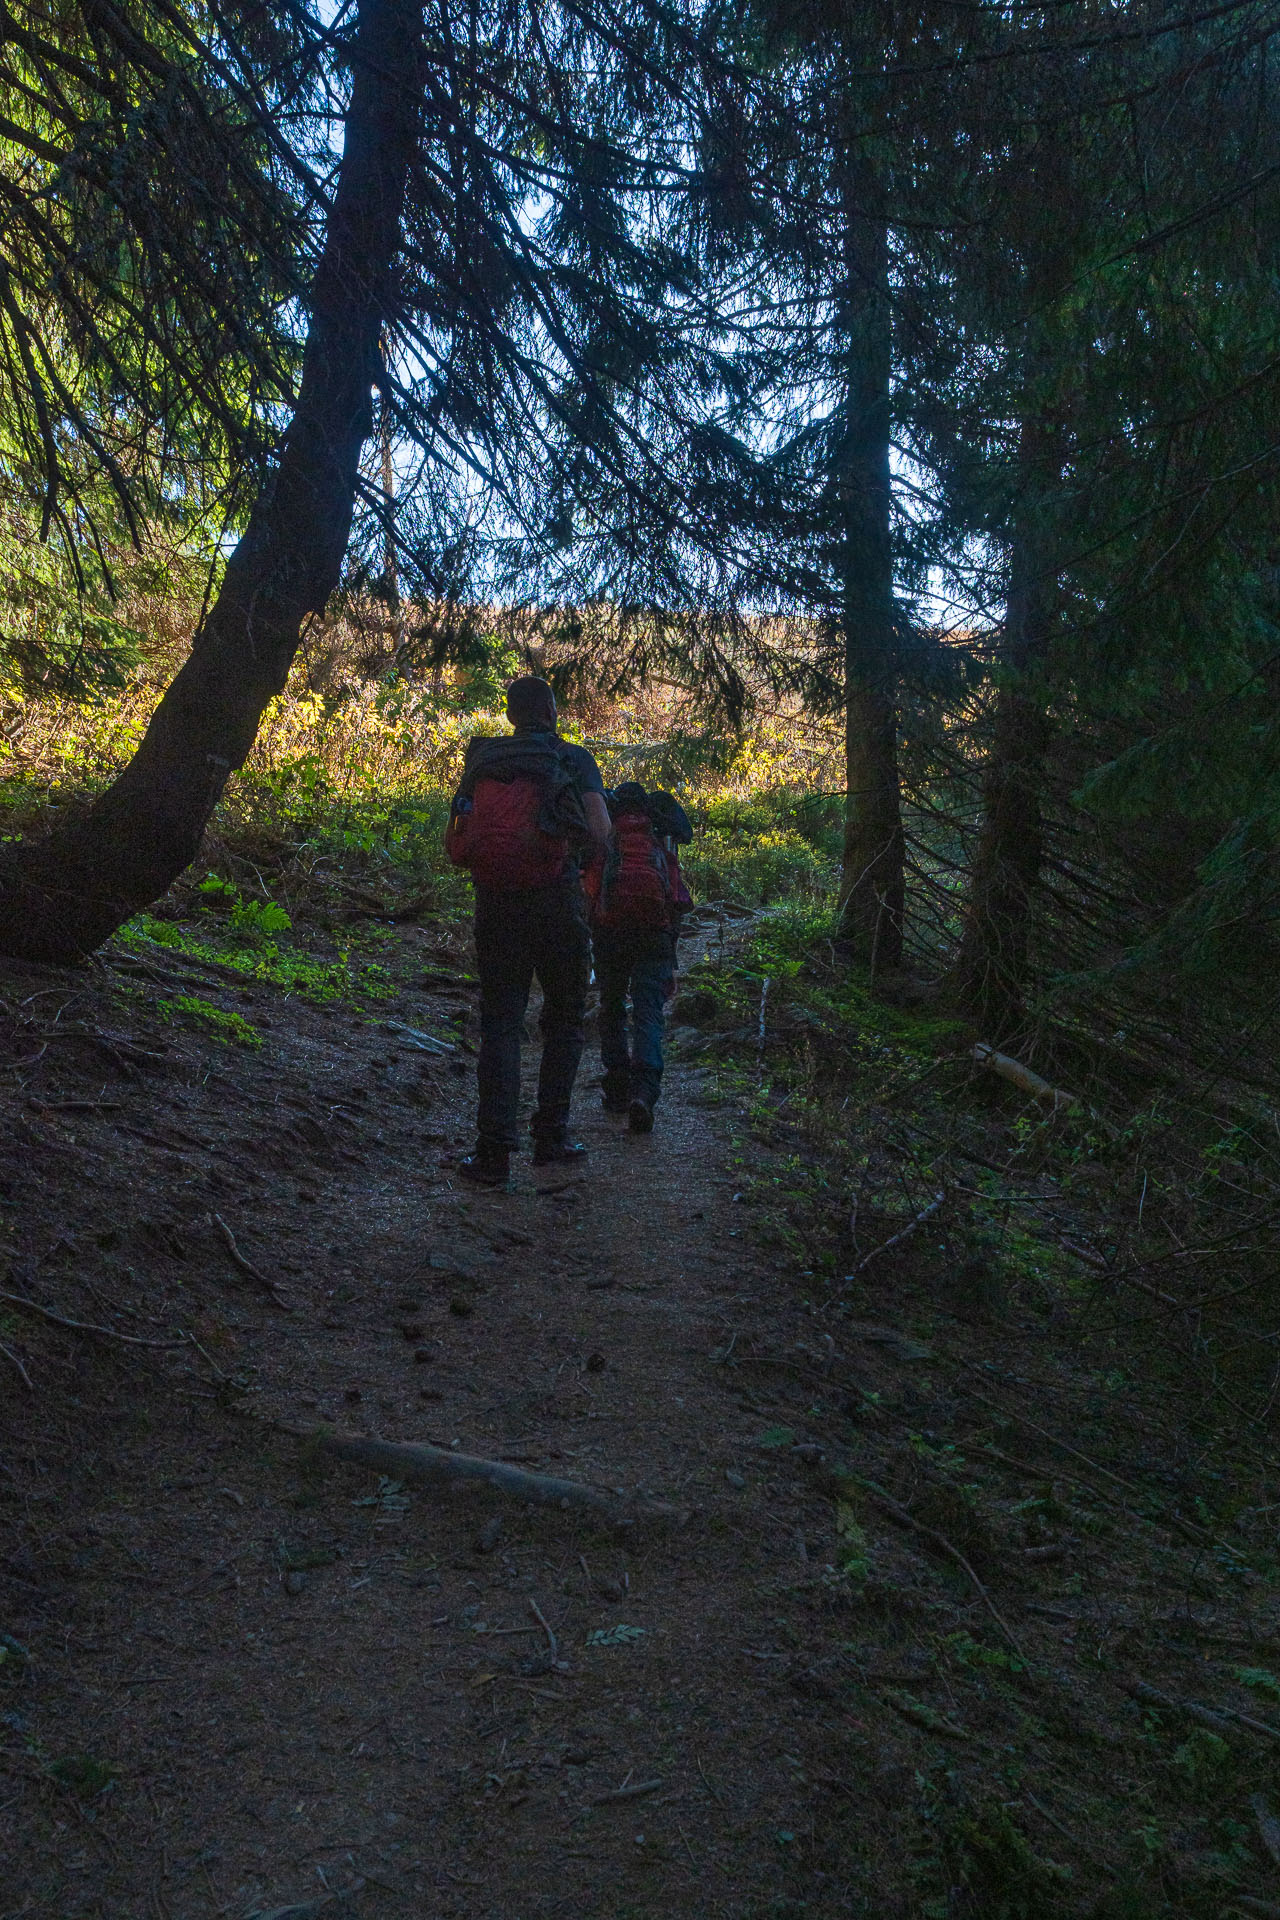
(766, 848)
(290, 969)
(1046, 1484)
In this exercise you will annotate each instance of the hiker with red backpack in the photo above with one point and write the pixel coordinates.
(638, 898)
(526, 809)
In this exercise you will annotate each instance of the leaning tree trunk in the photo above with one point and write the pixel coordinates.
(59, 898)
(872, 885)
(991, 968)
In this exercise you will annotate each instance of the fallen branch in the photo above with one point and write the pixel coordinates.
(16, 1066)
(17, 1365)
(1221, 1719)
(441, 1466)
(87, 1326)
(905, 1518)
(902, 1234)
(1023, 1077)
(424, 1042)
(246, 1266)
(1187, 1528)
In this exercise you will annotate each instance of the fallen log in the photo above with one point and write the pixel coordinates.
(1025, 1078)
(422, 1464)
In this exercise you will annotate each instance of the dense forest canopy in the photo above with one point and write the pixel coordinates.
(945, 332)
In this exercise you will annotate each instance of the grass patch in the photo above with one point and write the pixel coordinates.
(189, 1010)
(291, 969)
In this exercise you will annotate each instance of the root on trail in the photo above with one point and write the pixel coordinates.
(426, 1465)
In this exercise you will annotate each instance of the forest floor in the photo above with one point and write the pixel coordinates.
(887, 1659)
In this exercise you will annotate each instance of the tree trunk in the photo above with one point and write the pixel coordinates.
(61, 897)
(991, 969)
(872, 884)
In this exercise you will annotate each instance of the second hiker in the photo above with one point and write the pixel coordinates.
(527, 806)
(638, 899)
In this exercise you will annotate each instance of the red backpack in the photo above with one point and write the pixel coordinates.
(515, 814)
(640, 885)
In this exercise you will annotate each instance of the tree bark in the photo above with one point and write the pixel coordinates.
(872, 884)
(61, 897)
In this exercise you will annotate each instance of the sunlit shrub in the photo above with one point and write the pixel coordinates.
(754, 868)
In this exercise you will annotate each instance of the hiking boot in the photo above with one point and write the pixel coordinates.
(488, 1166)
(614, 1093)
(550, 1150)
(640, 1117)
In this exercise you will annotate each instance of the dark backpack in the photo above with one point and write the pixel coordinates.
(640, 886)
(517, 813)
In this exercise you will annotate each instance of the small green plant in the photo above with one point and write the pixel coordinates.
(1260, 1680)
(254, 920)
(82, 1774)
(259, 919)
(968, 1652)
(1202, 1758)
(853, 1554)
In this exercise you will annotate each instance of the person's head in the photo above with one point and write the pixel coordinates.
(531, 703)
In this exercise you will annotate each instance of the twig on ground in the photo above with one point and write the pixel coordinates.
(15, 1066)
(717, 1797)
(628, 1793)
(545, 1624)
(87, 1326)
(428, 1465)
(17, 1365)
(925, 1214)
(1082, 1845)
(247, 1266)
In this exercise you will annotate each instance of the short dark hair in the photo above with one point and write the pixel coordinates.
(531, 702)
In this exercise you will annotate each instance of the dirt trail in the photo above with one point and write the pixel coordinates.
(298, 1681)
(938, 1633)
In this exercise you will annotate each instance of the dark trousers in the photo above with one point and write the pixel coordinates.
(644, 974)
(540, 931)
